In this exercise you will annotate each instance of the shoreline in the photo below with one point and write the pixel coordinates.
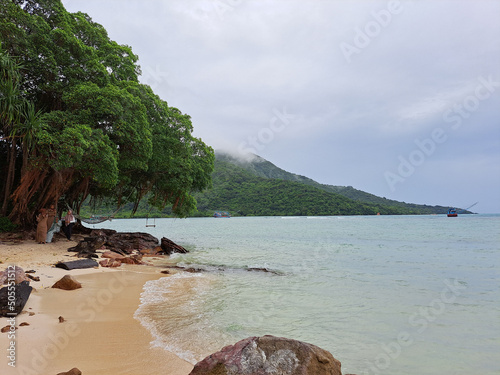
(99, 334)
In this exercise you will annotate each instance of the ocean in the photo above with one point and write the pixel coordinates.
(384, 294)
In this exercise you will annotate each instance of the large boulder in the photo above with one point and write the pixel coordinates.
(21, 292)
(88, 246)
(126, 243)
(269, 355)
(168, 247)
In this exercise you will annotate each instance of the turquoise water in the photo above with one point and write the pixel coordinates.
(384, 294)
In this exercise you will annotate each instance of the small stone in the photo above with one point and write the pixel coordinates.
(23, 324)
(61, 319)
(34, 278)
(67, 283)
(73, 371)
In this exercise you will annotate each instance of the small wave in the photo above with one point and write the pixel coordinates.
(153, 298)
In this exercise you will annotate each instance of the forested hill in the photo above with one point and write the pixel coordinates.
(263, 168)
(255, 186)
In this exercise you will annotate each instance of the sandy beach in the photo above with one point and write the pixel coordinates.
(99, 334)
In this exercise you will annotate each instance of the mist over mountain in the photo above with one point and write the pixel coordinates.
(252, 185)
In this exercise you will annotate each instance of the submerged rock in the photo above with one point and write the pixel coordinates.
(269, 355)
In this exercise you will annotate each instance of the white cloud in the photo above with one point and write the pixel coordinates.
(229, 67)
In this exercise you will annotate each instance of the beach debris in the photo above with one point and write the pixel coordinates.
(34, 278)
(269, 355)
(31, 313)
(18, 272)
(23, 324)
(61, 319)
(67, 283)
(21, 292)
(30, 271)
(166, 272)
(76, 264)
(73, 371)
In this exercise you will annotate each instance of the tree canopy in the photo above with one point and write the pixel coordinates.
(75, 121)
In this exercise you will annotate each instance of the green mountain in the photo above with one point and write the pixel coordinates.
(255, 186)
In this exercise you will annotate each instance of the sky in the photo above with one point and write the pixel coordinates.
(400, 99)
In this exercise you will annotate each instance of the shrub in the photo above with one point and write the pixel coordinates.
(6, 225)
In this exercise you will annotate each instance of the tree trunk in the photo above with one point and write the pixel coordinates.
(10, 177)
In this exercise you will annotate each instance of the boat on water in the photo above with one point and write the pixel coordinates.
(452, 212)
(221, 214)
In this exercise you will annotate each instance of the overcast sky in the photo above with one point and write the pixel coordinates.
(397, 98)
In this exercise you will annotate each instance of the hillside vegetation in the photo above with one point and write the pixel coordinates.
(258, 187)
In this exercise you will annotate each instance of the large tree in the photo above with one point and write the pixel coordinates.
(76, 122)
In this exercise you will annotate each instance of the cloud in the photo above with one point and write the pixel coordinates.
(230, 64)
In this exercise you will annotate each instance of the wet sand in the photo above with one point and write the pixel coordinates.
(99, 334)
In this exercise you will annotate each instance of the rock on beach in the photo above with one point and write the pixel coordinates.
(18, 272)
(67, 282)
(269, 355)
